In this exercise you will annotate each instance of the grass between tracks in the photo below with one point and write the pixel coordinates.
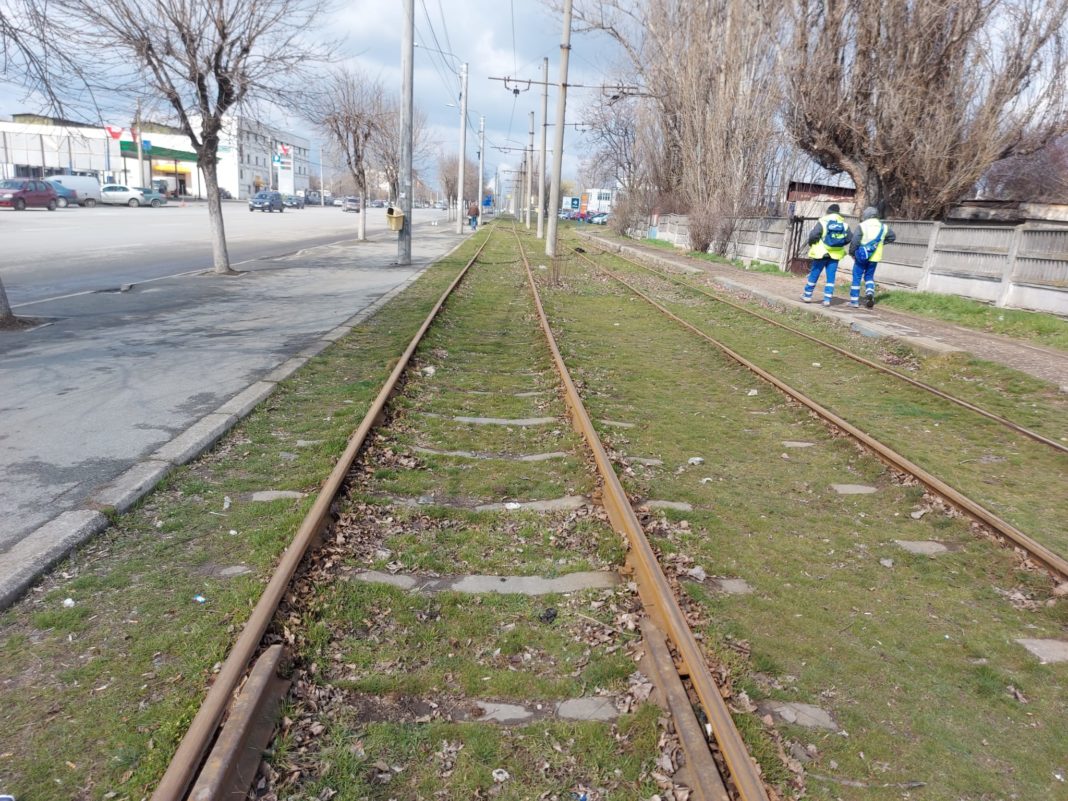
(1020, 480)
(914, 656)
(94, 696)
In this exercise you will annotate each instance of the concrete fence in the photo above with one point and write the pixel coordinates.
(1023, 266)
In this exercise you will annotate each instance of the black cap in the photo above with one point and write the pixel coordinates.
(833, 208)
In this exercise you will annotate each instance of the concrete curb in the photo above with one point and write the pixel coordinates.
(33, 556)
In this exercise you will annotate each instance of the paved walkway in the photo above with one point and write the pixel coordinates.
(924, 333)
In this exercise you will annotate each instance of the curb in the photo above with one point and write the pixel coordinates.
(34, 555)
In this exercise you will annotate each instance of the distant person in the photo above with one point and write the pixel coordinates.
(866, 248)
(827, 245)
(472, 213)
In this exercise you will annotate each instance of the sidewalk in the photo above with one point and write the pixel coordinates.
(122, 387)
(922, 333)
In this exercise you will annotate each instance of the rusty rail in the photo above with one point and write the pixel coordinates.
(653, 587)
(198, 738)
(1051, 560)
(855, 357)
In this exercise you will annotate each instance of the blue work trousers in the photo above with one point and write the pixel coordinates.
(818, 266)
(863, 273)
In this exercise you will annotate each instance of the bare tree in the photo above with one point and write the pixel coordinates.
(385, 142)
(349, 110)
(916, 100)
(711, 71)
(612, 131)
(1039, 177)
(205, 57)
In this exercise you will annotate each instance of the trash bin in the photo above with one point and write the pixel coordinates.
(395, 218)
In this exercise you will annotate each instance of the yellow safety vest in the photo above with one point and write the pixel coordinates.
(819, 250)
(869, 229)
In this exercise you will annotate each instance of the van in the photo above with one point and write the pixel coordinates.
(87, 187)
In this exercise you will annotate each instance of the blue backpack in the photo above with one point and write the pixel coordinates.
(867, 250)
(834, 234)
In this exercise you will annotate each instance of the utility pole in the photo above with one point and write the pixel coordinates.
(558, 139)
(404, 240)
(463, 149)
(541, 162)
(530, 171)
(138, 140)
(481, 163)
(322, 183)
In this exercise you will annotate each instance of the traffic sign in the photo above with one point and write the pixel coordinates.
(146, 145)
(574, 202)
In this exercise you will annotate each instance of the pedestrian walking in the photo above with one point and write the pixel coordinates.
(472, 213)
(866, 248)
(827, 245)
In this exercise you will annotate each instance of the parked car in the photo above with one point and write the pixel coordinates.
(65, 196)
(224, 194)
(378, 204)
(600, 218)
(351, 204)
(87, 187)
(266, 201)
(293, 202)
(339, 201)
(152, 197)
(312, 198)
(121, 195)
(22, 193)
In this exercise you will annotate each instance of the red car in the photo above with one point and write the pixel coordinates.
(20, 193)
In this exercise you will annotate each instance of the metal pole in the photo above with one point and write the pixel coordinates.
(530, 170)
(404, 240)
(481, 163)
(138, 137)
(541, 162)
(463, 149)
(558, 138)
(322, 184)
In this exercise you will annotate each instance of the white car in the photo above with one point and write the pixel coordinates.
(120, 195)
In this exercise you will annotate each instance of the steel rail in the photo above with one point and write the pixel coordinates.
(198, 738)
(1051, 560)
(855, 357)
(653, 587)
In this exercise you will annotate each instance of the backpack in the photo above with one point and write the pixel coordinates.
(867, 250)
(834, 233)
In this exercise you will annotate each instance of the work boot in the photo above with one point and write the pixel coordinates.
(869, 300)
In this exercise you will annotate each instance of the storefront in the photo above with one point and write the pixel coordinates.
(177, 169)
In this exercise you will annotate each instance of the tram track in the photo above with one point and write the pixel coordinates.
(1020, 429)
(230, 755)
(1050, 560)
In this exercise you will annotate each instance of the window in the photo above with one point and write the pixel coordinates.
(604, 195)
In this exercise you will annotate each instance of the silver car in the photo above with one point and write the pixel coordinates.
(120, 195)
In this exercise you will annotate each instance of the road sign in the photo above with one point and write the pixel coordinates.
(146, 145)
(487, 200)
(575, 202)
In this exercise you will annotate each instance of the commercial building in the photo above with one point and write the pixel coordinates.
(252, 156)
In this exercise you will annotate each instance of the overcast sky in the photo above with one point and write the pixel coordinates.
(497, 38)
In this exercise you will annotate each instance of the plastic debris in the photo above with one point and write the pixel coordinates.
(695, 460)
(233, 532)
(697, 573)
(429, 371)
(816, 364)
(886, 562)
(918, 514)
(753, 392)
(511, 506)
(200, 599)
(67, 603)
(226, 502)
(500, 775)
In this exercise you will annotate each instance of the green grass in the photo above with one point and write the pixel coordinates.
(914, 659)
(1044, 329)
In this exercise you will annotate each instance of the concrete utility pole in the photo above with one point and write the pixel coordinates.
(138, 140)
(530, 171)
(481, 163)
(558, 139)
(404, 240)
(541, 162)
(463, 149)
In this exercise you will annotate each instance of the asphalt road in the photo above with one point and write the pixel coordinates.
(51, 254)
(115, 375)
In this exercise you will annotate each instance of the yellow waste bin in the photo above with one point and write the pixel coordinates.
(395, 218)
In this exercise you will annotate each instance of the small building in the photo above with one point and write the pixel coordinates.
(808, 199)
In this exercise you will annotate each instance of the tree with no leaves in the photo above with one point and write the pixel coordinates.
(385, 142)
(206, 58)
(350, 111)
(916, 100)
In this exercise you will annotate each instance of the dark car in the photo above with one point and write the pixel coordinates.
(293, 202)
(351, 204)
(65, 196)
(22, 193)
(266, 201)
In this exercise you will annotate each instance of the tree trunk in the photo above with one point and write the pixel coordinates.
(6, 315)
(361, 226)
(220, 255)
